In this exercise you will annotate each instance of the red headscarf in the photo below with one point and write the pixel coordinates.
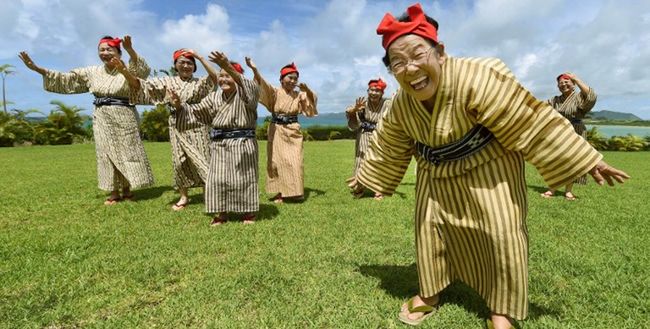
(113, 42)
(185, 53)
(377, 83)
(237, 67)
(563, 76)
(390, 28)
(289, 68)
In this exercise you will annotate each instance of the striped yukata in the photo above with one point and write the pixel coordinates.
(121, 159)
(574, 107)
(284, 166)
(232, 182)
(189, 138)
(371, 115)
(470, 216)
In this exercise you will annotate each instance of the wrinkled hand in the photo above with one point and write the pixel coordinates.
(174, 100)
(27, 60)
(127, 43)
(603, 172)
(360, 104)
(219, 58)
(118, 64)
(303, 87)
(249, 63)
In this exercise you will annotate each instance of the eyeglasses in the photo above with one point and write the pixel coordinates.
(398, 65)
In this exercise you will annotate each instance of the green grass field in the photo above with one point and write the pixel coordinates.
(330, 262)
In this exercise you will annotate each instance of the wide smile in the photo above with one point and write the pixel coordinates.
(419, 83)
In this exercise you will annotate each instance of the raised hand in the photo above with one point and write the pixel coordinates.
(303, 87)
(127, 43)
(118, 64)
(360, 104)
(28, 61)
(219, 58)
(250, 63)
(603, 172)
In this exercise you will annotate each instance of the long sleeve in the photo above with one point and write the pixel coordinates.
(139, 67)
(521, 123)
(586, 102)
(353, 119)
(73, 82)
(308, 107)
(202, 112)
(388, 156)
(249, 92)
(267, 95)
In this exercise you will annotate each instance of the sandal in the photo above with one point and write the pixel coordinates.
(218, 220)
(569, 196)
(277, 198)
(358, 194)
(249, 219)
(427, 311)
(378, 196)
(112, 201)
(547, 194)
(180, 206)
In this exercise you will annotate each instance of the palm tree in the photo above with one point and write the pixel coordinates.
(5, 69)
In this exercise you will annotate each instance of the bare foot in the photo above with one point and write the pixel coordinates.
(500, 321)
(569, 196)
(547, 194)
(218, 220)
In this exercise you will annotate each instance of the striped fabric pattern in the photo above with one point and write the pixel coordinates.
(120, 154)
(372, 115)
(575, 107)
(471, 213)
(189, 138)
(284, 166)
(232, 181)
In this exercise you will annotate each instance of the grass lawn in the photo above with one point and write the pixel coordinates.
(330, 262)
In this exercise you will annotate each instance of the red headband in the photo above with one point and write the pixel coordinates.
(183, 52)
(288, 69)
(563, 76)
(377, 83)
(113, 42)
(390, 28)
(237, 67)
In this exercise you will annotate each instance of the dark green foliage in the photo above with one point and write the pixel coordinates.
(155, 124)
(64, 125)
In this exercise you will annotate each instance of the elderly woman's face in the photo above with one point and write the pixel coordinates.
(185, 67)
(375, 93)
(226, 82)
(107, 52)
(565, 86)
(417, 65)
(289, 81)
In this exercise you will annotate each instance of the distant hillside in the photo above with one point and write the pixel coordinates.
(612, 115)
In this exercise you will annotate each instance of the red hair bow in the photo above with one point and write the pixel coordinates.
(113, 42)
(377, 83)
(290, 68)
(182, 52)
(237, 67)
(390, 28)
(563, 76)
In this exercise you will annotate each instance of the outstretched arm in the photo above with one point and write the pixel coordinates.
(221, 59)
(30, 63)
(309, 101)
(267, 91)
(214, 75)
(133, 81)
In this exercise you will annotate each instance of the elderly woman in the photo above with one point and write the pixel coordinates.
(121, 160)
(363, 117)
(231, 112)
(573, 106)
(189, 138)
(470, 126)
(284, 167)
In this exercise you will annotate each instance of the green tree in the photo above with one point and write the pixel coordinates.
(16, 128)
(155, 124)
(5, 70)
(64, 125)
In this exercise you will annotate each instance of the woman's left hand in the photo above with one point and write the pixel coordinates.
(127, 43)
(219, 58)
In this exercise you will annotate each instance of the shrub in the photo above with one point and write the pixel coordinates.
(64, 125)
(155, 124)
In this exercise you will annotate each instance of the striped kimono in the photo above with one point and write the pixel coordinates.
(470, 216)
(574, 107)
(284, 166)
(189, 138)
(121, 158)
(232, 182)
(372, 115)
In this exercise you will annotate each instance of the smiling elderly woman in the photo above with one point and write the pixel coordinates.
(121, 160)
(470, 126)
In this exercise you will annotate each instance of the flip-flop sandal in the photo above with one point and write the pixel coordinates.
(547, 194)
(428, 310)
(112, 201)
(570, 197)
(378, 197)
(249, 219)
(180, 206)
(218, 220)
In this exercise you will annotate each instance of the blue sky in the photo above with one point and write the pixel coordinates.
(334, 44)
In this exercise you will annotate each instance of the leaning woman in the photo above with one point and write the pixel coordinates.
(189, 138)
(121, 160)
(231, 112)
(284, 167)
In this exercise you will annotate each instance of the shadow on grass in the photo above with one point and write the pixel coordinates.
(151, 193)
(538, 189)
(402, 282)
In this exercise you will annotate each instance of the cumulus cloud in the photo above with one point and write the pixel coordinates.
(202, 33)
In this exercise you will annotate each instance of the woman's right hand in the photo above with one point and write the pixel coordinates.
(250, 63)
(29, 62)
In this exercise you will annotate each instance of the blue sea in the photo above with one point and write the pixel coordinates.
(610, 131)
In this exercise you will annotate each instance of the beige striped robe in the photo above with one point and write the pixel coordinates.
(121, 158)
(372, 115)
(232, 182)
(284, 166)
(574, 107)
(470, 217)
(189, 138)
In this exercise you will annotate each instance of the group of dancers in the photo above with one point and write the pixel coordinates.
(468, 122)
